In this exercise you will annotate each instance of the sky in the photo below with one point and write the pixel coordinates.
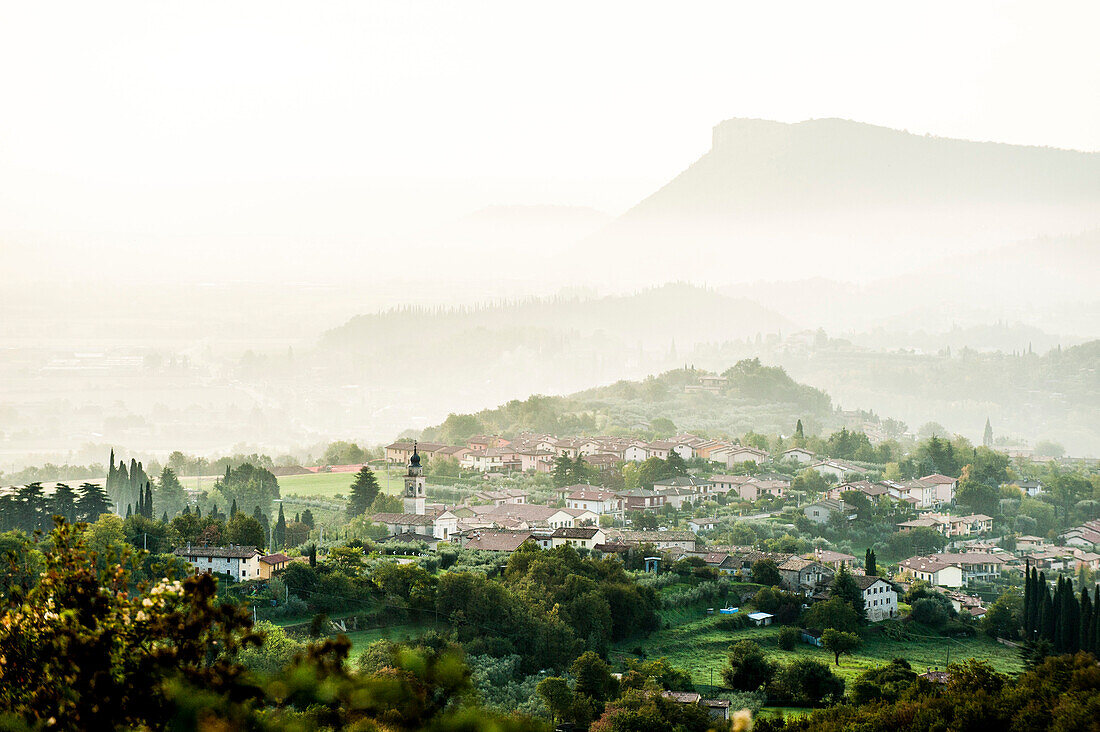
(227, 125)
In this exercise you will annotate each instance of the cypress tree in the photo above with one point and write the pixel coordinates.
(313, 555)
(198, 511)
(1027, 602)
(164, 517)
(129, 513)
(280, 530)
(869, 563)
(1048, 611)
(133, 490)
(187, 510)
(1059, 616)
(1085, 625)
(1038, 588)
(233, 509)
(1096, 619)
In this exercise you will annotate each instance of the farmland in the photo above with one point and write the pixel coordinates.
(327, 485)
(699, 647)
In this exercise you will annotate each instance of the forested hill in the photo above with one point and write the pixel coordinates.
(676, 312)
(757, 397)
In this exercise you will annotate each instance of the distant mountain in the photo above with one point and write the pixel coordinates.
(459, 359)
(847, 200)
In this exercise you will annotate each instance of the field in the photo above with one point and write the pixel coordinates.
(326, 485)
(700, 648)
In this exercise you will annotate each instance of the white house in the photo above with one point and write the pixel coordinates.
(242, 563)
(837, 468)
(798, 454)
(739, 454)
(584, 537)
(567, 518)
(595, 500)
(879, 598)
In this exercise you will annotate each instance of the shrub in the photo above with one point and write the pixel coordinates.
(788, 638)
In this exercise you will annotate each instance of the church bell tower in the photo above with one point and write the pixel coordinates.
(414, 485)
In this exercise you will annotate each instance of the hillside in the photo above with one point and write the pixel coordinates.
(844, 200)
(757, 397)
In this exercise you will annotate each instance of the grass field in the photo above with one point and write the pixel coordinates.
(360, 639)
(700, 648)
(326, 485)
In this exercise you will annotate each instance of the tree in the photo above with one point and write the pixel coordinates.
(93, 502)
(765, 572)
(244, 530)
(278, 536)
(839, 642)
(883, 683)
(844, 587)
(556, 695)
(307, 518)
(363, 492)
(170, 495)
(593, 677)
(833, 613)
(987, 435)
(64, 502)
(563, 471)
(1003, 618)
(799, 435)
(979, 497)
(748, 667)
(675, 464)
(870, 565)
(806, 681)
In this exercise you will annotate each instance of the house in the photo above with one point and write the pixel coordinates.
(971, 566)
(832, 559)
(760, 488)
(702, 524)
(798, 454)
(697, 485)
(506, 495)
(569, 517)
(677, 497)
(401, 452)
(739, 454)
(837, 468)
(685, 540)
(497, 541)
(484, 442)
(1031, 487)
(873, 491)
(880, 600)
(585, 537)
(641, 499)
(594, 499)
(932, 571)
(804, 575)
(728, 483)
(821, 511)
(943, 486)
(493, 460)
(951, 526)
(272, 563)
(536, 461)
(813, 637)
(964, 603)
(1028, 543)
(242, 563)
(1087, 534)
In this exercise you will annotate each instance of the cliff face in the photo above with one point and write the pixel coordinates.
(826, 195)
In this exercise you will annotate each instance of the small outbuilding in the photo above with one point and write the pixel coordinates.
(761, 618)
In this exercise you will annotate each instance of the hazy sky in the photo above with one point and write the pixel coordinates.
(248, 120)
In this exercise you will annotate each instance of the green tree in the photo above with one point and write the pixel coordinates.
(806, 681)
(93, 502)
(278, 535)
(987, 435)
(883, 683)
(870, 565)
(170, 495)
(833, 613)
(593, 677)
(64, 502)
(977, 496)
(363, 492)
(556, 695)
(748, 668)
(839, 642)
(244, 530)
(765, 572)
(844, 586)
